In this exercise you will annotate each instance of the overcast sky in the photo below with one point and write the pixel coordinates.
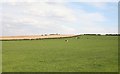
(33, 18)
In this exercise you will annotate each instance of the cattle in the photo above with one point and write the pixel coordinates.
(77, 37)
(66, 40)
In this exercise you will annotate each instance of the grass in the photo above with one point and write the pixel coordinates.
(0, 56)
(87, 54)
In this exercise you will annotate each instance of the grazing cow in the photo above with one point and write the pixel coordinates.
(66, 40)
(77, 37)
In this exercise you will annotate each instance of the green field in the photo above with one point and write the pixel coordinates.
(87, 54)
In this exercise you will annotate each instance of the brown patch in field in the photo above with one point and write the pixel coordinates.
(34, 37)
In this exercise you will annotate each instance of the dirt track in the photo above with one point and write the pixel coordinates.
(33, 37)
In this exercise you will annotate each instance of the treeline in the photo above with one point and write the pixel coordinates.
(102, 34)
(112, 34)
(92, 34)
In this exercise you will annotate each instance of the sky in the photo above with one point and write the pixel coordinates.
(48, 17)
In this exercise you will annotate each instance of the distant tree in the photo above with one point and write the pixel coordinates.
(45, 34)
(99, 34)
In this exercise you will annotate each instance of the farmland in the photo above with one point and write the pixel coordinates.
(86, 54)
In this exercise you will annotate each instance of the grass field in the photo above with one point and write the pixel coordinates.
(87, 54)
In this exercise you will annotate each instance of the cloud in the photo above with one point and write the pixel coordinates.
(44, 16)
(59, 1)
(49, 17)
(98, 4)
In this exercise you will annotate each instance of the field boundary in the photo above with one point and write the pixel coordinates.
(37, 37)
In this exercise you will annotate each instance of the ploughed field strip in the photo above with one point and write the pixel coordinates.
(82, 54)
(35, 37)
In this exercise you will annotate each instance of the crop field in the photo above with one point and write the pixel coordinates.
(86, 54)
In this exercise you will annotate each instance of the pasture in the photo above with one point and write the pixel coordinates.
(86, 54)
